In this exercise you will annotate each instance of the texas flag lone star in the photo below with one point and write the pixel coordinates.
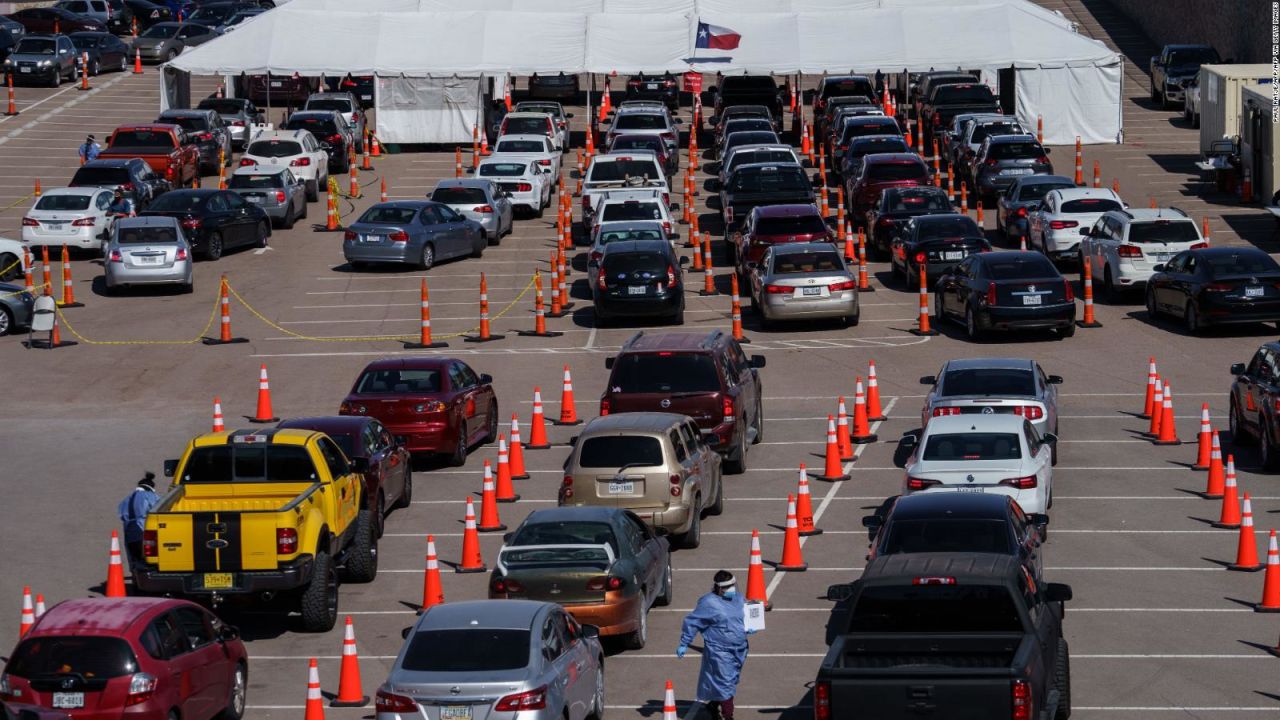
(714, 37)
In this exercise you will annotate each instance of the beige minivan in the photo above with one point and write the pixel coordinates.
(654, 464)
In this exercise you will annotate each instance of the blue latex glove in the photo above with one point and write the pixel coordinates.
(680, 651)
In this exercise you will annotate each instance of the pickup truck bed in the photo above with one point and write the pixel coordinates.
(904, 653)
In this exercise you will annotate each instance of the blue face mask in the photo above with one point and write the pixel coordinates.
(730, 594)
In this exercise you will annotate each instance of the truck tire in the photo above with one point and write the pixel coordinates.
(1062, 680)
(319, 601)
(362, 557)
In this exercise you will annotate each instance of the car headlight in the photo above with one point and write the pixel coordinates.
(45, 63)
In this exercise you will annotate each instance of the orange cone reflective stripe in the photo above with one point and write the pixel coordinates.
(28, 612)
(489, 520)
(218, 424)
(861, 426)
(264, 413)
(844, 445)
(568, 408)
(1157, 408)
(1271, 583)
(832, 470)
(1168, 425)
(315, 700)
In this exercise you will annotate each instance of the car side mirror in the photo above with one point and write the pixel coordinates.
(871, 522)
(171, 466)
(757, 361)
(1055, 379)
(909, 440)
(1047, 150)
(1237, 368)
(506, 537)
(1038, 519)
(405, 633)
(1159, 267)
(590, 631)
(839, 593)
(572, 442)
(359, 465)
(608, 362)
(1057, 592)
(684, 260)
(752, 265)
(228, 633)
(569, 115)
(485, 378)
(1049, 439)
(929, 380)
(1086, 232)
(677, 121)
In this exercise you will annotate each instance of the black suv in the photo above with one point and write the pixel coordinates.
(206, 130)
(330, 130)
(703, 375)
(639, 278)
(139, 182)
(654, 87)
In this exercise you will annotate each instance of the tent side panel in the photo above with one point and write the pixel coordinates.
(427, 110)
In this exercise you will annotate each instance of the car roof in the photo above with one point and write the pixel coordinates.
(147, 221)
(990, 363)
(995, 422)
(407, 204)
(951, 505)
(1044, 179)
(644, 341)
(1003, 255)
(760, 146)
(746, 168)
(334, 95)
(280, 135)
(260, 170)
(110, 162)
(74, 191)
(1010, 139)
(740, 134)
(637, 246)
(963, 566)
(1212, 252)
(1075, 193)
(329, 424)
(521, 136)
(1149, 214)
(940, 218)
(305, 114)
(410, 363)
(522, 114)
(898, 158)
(100, 615)
(785, 211)
(186, 112)
(504, 614)
(579, 513)
(634, 421)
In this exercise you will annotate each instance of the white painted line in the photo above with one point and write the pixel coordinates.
(1175, 708)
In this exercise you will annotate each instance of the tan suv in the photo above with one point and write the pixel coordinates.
(655, 464)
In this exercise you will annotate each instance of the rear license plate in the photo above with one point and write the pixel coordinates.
(953, 255)
(963, 488)
(617, 488)
(637, 289)
(455, 712)
(651, 86)
(54, 225)
(148, 259)
(811, 291)
(218, 581)
(1253, 292)
(1017, 171)
(369, 238)
(1031, 300)
(253, 199)
(68, 700)
(277, 84)
(366, 97)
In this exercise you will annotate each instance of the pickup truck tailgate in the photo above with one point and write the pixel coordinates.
(193, 536)
(926, 697)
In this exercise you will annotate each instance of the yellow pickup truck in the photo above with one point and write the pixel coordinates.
(261, 514)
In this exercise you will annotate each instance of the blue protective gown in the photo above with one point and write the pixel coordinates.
(725, 644)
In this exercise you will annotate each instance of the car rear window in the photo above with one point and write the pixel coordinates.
(614, 451)
(991, 382)
(619, 170)
(568, 532)
(100, 176)
(947, 535)
(460, 196)
(800, 263)
(1242, 264)
(954, 94)
(982, 132)
(1037, 191)
(745, 83)
(94, 657)
(637, 142)
(747, 125)
(468, 650)
(342, 106)
(256, 182)
(222, 107)
(760, 156)
(526, 126)
(274, 148)
(841, 88)
(320, 127)
(771, 179)
(63, 202)
(161, 32)
(144, 139)
(146, 236)
(1015, 151)
(973, 446)
(896, 171)
(640, 121)
(187, 123)
(388, 215)
(630, 210)
(929, 609)
(502, 170)
(245, 462)
(1090, 205)
(521, 146)
(1163, 231)
(179, 202)
(794, 225)
(858, 129)
(918, 201)
(664, 372)
(1022, 267)
(212, 15)
(635, 266)
(947, 228)
(609, 236)
(401, 380)
(750, 137)
(867, 146)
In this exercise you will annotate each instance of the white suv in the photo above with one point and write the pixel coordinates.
(1053, 227)
(297, 149)
(1124, 246)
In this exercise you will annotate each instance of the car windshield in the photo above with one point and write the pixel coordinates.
(1163, 231)
(664, 372)
(893, 171)
(468, 650)
(771, 179)
(1242, 264)
(993, 382)
(187, 202)
(320, 127)
(274, 148)
(525, 126)
(640, 121)
(520, 146)
(460, 196)
(190, 124)
(1192, 56)
(918, 201)
(956, 94)
(222, 107)
(502, 170)
(1014, 151)
(1090, 205)
(609, 236)
(338, 104)
(163, 32)
(972, 446)
(35, 46)
(793, 225)
(630, 210)
(63, 202)
(398, 380)
(614, 451)
(249, 462)
(95, 657)
(256, 182)
(619, 170)
(1037, 191)
(947, 535)
(935, 609)
(947, 228)
(1021, 267)
(810, 262)
(212, 15)
(145, 139)
(155, 235)
(100, 176)
(388, 215)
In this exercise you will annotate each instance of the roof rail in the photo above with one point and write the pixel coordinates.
(712, 337)
(1178, 210)
(632, 340)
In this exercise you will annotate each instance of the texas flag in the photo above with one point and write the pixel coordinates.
(714, 37)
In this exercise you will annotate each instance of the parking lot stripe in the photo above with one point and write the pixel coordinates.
(1174, 708)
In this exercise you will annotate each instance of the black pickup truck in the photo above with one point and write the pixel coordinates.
(954, 636)
(750, 90)
(945, 102)
(751, 186)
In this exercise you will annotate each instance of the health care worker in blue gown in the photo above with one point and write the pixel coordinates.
(719, 617)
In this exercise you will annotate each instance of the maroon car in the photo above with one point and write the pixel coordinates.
(388, 477)
(437, 405)
(879, 172)
(130, 657)
(774, 224)
(21, 711)
(55, 20)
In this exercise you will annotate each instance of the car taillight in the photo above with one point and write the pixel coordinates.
(150, 543)
(83, 222)
(204, 136)
(671, 275)
(1219, 287)
(728, 215)
(1062, 224)
(1020, 700)
(676, 485)
(286, 541)
(633, 83)
(726, 406)
(604, 406)
(429, 407)
(535, 699)
(399, 236)
(246, 162)
(349, 235)
(991, 293)
(840, 286)
(822, 700)
(237, 123)
(30, 222)
(1199, 246)
(1030, 412)
(190, 223)
(301, 162)
(141, 687)
(127, 187)
(937, 120)
(524, 187)
(169, 173)
(991, 162)
(544, 163)
(506, 585)
(669, 83)
(1068, 292)
(333, 139)
(605, 582)
(666, 227)
(1042, 160)
(355, 116)
(1129, 251)
(116, 257)
(180, 255)
(601, 283)
(1022, 212)
(1021, 483)
(485, 209)
(945, 411)
(884, 222)
(779, 290)
(915, 483)
(6, 691)
(386, 702)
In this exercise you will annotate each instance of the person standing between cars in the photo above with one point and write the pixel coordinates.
(89, 150)
(719, 617)
(133, 513)
(123, 207)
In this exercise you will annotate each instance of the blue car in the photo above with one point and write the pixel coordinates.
(415, 232)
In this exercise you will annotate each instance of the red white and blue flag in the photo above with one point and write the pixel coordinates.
(714, 37)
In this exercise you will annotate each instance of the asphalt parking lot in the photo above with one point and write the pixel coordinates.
(1158, 628)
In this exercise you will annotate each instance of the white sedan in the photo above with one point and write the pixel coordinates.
(529, 187)
(538, 150)
(76, 217)
(1053, 227)
(999, 453)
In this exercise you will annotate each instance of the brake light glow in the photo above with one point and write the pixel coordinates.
(279, 196)
(604, 408)
(535, 699)
(286, 541)
(30, 222)
(1129, 251)
(334, 139)
(945, 411)
(1219, 287)
(841, 286)
(671, 276)
(399, 237)
(779, 290)
(485, 209)
(299, 162)
(506, 585)
(386, 702)
(1067, 291)
(933, 580)
(727, 408)
(600, 281)
(991, 293)
(180, 255)
(524, 187)
(1062, 224)
(349, 235)
(1199, 246)
(915, 483)
(666, 227)
(545, 162)
(141, 687)
(1022, 212)
(246, 162)
(1030, 412)
(822, 700)
(605, 582)
(83, 222)
(190, 223)
(116, 257)
(1021, 483)
(1020, 695)
(150, 543)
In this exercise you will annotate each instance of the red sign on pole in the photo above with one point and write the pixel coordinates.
(693, 82)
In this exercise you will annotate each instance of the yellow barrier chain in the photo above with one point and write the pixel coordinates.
(213, 315)
(34, 291)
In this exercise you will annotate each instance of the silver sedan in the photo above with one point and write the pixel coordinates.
(479, 200)
(994, 385)
(495, 660)
(803, 281)
(148, 250)
(414, 232)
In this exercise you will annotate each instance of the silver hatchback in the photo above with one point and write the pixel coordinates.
(147, 251)
(480, 200)
(274, 188)
(803, 281)
(495, 660)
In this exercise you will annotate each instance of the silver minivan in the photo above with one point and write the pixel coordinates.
(148, 250)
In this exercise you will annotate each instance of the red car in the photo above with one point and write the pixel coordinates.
(437, 405)
(98, 658)
(879, 172)
(773, 224)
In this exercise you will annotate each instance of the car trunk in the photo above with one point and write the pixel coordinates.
(1030, 292)
(149, 256)
(77, 673)
(1257, 286)
(457, 696)
(635, 275)
(983, 472)
(220, 520)
(938, 250)
(980, 404)
(564, 583)
(397, 409)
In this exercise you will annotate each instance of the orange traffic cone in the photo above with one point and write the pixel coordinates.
(1204, 440)
(489, 521)
(28, 612)
(350, 692)
(804, 505)
(382, 194)
(315, 701)
(457, 162)
(432, 588)
(472, 560)
(832, 472)
(506, 493)
(708, 278)
(68, 287)
(517, 451)
(568, 409)
(13, 105)
(537, 424)
(485, 335)
(1149, 402)
(1229, 518)
(1247, 546)
(843, 444)
(755, 574)
(923, 329)
(669, 703)
(735, 308)
(1157, 407)
(1271, 583)
(264, 414)
(874, 412)
(115, 569)
(39, 606)
(218, 424)
(1168, 430)
(792, 559)
(1217, 478)
(425, 340)
(861, 427)
(137, 62)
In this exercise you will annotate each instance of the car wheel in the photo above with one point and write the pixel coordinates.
(1235, 424)
(539, 212)
(57, 79)
(362, 559)
(717, 506)
(319, 601)
(938, 314)
(478, 250)
(1191, 318)
(678, 318)
(1266, 449)
(1067, 331)
(237, 695)
(302, 214)
(668, 594)
(190, 287)
(10, 267)
(636, 639)
(289, 218)
(971, 324)
(735, 463)
(380, 515)
(1110, 290)
(171, 55)
(6, 321)
(263, 231)
(759, 424)
(96, 68)
(213, 248)
(1062, 681)
(692, 538)
(124, 64)
(459, 456)
(406, 496)
(1152, 310)
(491, 433)
(1155, 94)
(313, 190)
(428, 257)
(597, 712)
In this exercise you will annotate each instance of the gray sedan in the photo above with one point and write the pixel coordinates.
(994, 385)
(479, 200)
(15, 306)
(415, 232)
(1021, 198)
(274, 188)
(496, 660)
(149, 250)
(803, 281)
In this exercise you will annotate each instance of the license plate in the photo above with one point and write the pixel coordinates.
(366, 97)
(953, 255)
(370, 238)
(253, 199)
(54, 225)
(637, 290)
(811, 291)
(218, 581)
(455, 712)
(1016, 171)
(24, 69)
(1031, 300)
(619, 488)
(651, 86)
(68, 700)
(963, 488)
(1253, 292)
(277, 84)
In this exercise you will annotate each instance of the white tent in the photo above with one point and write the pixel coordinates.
(1072, 81)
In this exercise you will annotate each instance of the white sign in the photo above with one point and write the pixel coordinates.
(753, 616)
